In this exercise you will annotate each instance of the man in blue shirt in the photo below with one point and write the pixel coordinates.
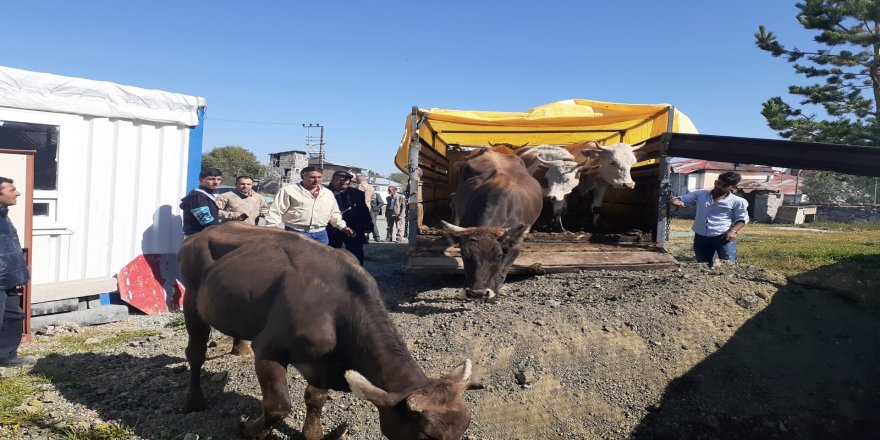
(720, 216)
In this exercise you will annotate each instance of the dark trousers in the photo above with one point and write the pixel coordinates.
(10, 332)
(705, 248)
(355, 244)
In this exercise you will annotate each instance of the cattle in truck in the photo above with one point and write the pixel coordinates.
(556, 170)
(603, 167)
(496, 202)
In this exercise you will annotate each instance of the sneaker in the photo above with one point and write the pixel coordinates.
(17, 362)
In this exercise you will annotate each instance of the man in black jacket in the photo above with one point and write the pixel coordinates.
(13, 276)
(353, 205)
(199, 206)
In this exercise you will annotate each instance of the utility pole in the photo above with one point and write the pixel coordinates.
(315, 144)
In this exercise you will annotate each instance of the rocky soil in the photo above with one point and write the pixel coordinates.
(691, 353)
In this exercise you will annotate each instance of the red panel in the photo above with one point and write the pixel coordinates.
(142, 285)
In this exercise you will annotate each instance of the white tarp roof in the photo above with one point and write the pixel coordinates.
(23, 89)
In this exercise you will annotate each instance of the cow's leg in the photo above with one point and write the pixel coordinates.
(558, 209)
(598, 197)
(199, 332)
(276, 400)
(315, 399)
(240, 347)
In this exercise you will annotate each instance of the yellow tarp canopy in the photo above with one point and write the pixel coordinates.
(562, 122)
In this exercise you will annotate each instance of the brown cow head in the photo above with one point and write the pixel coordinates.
(435, 411)
(487, 254)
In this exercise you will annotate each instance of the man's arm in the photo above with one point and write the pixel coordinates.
(222, 204)
(336, 220)
(681, 201)
(740, 218)
(280, 205)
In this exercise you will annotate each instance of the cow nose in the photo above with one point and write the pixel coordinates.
(484, 294)
(630, 185)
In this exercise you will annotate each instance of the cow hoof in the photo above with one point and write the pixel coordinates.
(194, 406)
(250, 429)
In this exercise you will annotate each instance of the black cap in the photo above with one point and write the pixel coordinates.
(345, 174)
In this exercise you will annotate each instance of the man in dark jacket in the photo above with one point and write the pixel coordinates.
(199, 206)
(13, 276)
(353, 205)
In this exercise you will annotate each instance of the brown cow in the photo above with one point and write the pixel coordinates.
(313, 307)
(496, 202)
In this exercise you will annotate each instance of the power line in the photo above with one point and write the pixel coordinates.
(251, 122)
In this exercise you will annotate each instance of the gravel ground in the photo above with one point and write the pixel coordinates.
(692, 353)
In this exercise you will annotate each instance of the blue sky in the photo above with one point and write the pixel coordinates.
(357, 68)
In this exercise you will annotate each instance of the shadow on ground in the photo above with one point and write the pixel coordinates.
(806, 367)
(146, 394)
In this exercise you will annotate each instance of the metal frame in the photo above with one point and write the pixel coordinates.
(415, 190)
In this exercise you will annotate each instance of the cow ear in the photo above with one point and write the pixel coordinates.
(461, 372)
(417, 402)
(513, 235)
(362, 388)
(590, 152)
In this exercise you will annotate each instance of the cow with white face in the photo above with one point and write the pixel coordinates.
(603, 166)
(556, 170)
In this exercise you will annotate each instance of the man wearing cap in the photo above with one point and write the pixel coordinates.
(306, 208)
(394, 214)
(353, 205)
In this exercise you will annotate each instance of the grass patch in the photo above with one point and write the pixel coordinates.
(104, 431)
(15, 390)
(176, 322)
(84, 342)
(842, 257)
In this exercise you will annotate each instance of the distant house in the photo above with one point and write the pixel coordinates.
(331, 167)
(693, 174)
(283, 169)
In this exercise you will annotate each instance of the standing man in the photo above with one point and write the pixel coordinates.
(364, 186)
(13, 276)
(355, 212)
(376, 204)
(200, 205)
(306, 208)
(242, 203)
(394, 213)
(720, 216)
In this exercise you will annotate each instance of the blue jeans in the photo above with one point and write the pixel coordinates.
(320, 236)
(706, 247)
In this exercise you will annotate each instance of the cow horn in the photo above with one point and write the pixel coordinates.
(491, 144)
(452, 228)
(636, 147)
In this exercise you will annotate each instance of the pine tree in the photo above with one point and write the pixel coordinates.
(850, 68)
(849, 93)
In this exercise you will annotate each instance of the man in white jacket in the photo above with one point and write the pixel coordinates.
(307, 207)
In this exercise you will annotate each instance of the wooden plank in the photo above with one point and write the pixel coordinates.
(553, 262)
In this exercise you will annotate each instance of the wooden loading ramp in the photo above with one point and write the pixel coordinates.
(437, 256)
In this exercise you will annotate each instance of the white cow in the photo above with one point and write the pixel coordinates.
(603, 166)
(556, 170)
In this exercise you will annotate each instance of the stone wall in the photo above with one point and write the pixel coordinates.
(848, 214)
(765, 207)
